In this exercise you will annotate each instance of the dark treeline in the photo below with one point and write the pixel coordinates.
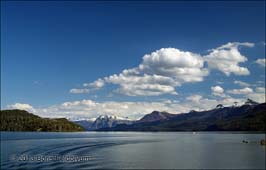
(20, 120)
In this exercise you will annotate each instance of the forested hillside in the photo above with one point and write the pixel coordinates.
(21, 120)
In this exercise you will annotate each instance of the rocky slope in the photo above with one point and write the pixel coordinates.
(156, 116)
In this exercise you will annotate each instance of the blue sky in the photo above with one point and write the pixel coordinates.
(49, 48)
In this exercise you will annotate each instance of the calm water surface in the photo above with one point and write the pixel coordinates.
(161, 150)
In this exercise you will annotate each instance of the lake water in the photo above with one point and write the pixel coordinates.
(160, 150)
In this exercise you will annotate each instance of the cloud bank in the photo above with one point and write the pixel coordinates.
(87, 109)
(245, 90)
(162, 71)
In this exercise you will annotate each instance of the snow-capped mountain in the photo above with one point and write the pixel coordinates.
(107, 121)
(103, 121)
(248, 117)
(220, 112)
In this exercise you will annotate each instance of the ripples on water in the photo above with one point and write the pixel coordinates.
(132, 150)
(60, 144)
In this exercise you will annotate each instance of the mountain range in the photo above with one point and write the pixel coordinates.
(249, 117)
(103, 121)
(110, 121)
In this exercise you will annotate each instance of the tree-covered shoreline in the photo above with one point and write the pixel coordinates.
(21, 120)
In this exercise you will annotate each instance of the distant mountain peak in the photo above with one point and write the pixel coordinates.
(250, 102)
(219, 106)
(192, 111)
(105, 116)
(156, 116)
(108, 121)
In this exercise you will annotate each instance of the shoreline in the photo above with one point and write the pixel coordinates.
(193, 132)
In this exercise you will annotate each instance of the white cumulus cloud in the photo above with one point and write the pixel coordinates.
(145, 85)
(163, 70)
(245, 90)
(21, 106)
(261, 61)
(218, 91)
(159, 73)
(227, 58)
(182, 66)
(96, 84)
(194, 98)
(241, 83)
(78, 91)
